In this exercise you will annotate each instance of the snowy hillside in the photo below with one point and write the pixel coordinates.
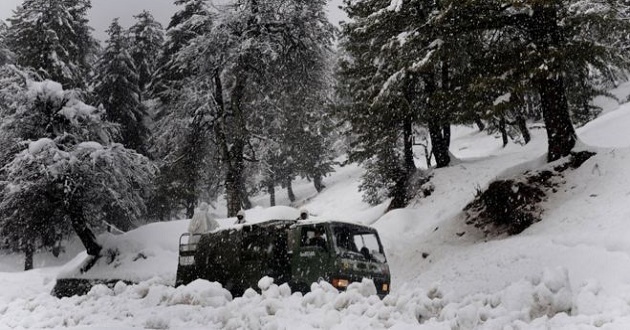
(568, 271)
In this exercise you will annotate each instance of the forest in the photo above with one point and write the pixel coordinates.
(236, 99)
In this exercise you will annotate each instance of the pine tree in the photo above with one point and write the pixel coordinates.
(147, 38)
(379, 96)
(117, 90)
(5, 54)
(182, 139)
(550, 45)
(182, 142)
(192, 21)
(53, 38)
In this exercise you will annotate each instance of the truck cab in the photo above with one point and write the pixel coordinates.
(350, 253)
(294, 252)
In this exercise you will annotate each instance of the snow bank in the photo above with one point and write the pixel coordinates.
(547, 299)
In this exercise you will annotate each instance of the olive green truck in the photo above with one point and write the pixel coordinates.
(290, 251)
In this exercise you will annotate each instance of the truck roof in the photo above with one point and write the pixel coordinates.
(294, 222)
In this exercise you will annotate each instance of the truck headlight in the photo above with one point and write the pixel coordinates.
(340, 283)
(385, 287)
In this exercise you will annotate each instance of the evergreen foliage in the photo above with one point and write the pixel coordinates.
(436, 63)
(146, 39)
(379, 100)
(564, 51)
(181, 141)
(117, 89)
(188, 161)
(6, 56)
(192, 21)
(53, 38)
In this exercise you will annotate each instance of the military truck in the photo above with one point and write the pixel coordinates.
(291, 251)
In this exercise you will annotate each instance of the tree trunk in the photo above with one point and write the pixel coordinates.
(233, 150)
(247, 204)
(503, 130)
(290, 189)
(479, 123)
(427, 155)
(410, 165)
(399, 193)
(271, 189)
(191, 165)
(561, 136)
(318, 182)
(439, 128)
(446, 131)
(190, 208)
(521, 124)
(232, 190)
(407, 129)
(56, 250)
(29, 251)
(85, 234)
(547, 37)
(440, 139)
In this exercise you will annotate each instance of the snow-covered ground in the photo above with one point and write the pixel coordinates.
(569, 271)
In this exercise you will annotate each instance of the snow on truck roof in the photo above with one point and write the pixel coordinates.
(293, 222)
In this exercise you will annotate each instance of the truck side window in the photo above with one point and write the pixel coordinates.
(314, 236)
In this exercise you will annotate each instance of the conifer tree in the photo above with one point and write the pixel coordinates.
(192, 21)
(188, 161)
(379, 97)
(5, 54)
(53, 38)
(550, 46)
(117, 90)
(181, 141)
(146, 37)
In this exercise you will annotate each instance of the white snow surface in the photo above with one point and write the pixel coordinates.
(569, 271)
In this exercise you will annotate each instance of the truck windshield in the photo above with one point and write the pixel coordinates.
(358, 244)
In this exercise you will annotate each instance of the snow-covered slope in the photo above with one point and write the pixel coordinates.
(568, 271)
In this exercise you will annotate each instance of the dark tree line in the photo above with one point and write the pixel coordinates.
(437, 63)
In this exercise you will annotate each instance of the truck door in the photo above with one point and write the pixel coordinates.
(312, 257)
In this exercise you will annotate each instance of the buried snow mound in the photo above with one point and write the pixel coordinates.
(146, 253)
(509, 206)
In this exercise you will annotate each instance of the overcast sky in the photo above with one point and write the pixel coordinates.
(103, 11)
